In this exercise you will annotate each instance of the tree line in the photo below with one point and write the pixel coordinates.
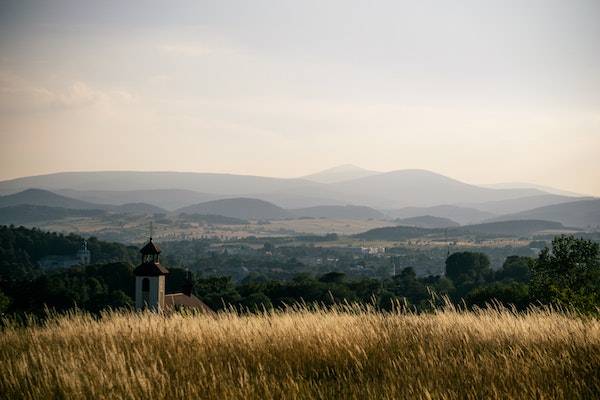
(566, 274)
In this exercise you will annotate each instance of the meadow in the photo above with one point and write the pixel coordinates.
(349, 352)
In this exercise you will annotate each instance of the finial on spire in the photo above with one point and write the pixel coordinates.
(151, 230)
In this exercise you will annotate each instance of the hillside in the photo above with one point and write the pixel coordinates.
(583, 213)
(168, 199)
(511, 206)
(424, 188)
(427, 221)
(514, 228)
(339, 174)
(138, 208)
(526, 185)
(214, 183)
(338, 212)
(27, 214)
(394, 233)
(242, 208)
(45, 198)
(462, 215)
(39, 197)
(504, 228)
(390, 190)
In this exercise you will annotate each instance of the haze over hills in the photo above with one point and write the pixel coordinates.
(213, 183)
(169, 199)
(424, 189)
(339, 212)
(521, 228)
(45, 198)
(39, 197)
(582, 213)
(339, 174)
(462, 215)
(243, 208)
(407, 193)
(525, 185)
(511, 206)
(427, 221)
(29, 214)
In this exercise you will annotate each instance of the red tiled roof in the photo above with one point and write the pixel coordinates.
(175, 300)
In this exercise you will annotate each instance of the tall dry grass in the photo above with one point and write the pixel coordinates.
(345, 353)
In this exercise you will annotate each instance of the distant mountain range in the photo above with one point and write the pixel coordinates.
(524, 185)
(242, 208)
(521, 228)
(339, 212)
(462, 215)
(343, 192)
(172, 190)
(168, 199)
(45, 198)
(427, 221)
(582, 213)
(340, 173)
(28, 214)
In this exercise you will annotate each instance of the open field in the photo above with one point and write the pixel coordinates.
(347, 353)
(135, 229)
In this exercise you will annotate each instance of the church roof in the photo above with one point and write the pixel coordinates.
(150, 248)
(150, 268)
(175, 300)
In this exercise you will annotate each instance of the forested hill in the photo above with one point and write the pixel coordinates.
(503, 228)
(21, 248)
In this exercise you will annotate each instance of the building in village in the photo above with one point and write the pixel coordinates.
(82, 257)
(150, 285)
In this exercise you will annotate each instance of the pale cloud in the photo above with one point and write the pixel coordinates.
(20, 95)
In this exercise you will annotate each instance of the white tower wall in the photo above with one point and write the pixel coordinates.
(154, 299)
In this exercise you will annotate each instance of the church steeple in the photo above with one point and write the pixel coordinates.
(150, 279)
(150, 252)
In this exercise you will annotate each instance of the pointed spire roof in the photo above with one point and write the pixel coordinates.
(150, 248)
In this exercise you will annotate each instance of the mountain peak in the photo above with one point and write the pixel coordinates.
(340, 173)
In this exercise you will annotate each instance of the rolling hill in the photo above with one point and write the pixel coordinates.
(582, 213)
(45, 198)
(390, 190)
(511, 206)
(339, 174)
(39, 197)
(138, 208)
(462, 215)
(526, 185)
(514, 228)
(242, 208)
(168, 199)
(427, 221)
(500, 229)
(338, 212)
(28, 214)
(221, 184)
(424, 189)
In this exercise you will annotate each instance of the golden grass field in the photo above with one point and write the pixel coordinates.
(351, 353)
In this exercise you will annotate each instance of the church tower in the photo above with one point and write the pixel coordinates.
(150, 279)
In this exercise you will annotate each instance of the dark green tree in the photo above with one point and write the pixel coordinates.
(568, 274)
(515, 268)
(467, 270)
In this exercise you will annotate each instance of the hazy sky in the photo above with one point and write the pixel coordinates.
(483, 91)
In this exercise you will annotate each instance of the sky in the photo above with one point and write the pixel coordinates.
(482, 91)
